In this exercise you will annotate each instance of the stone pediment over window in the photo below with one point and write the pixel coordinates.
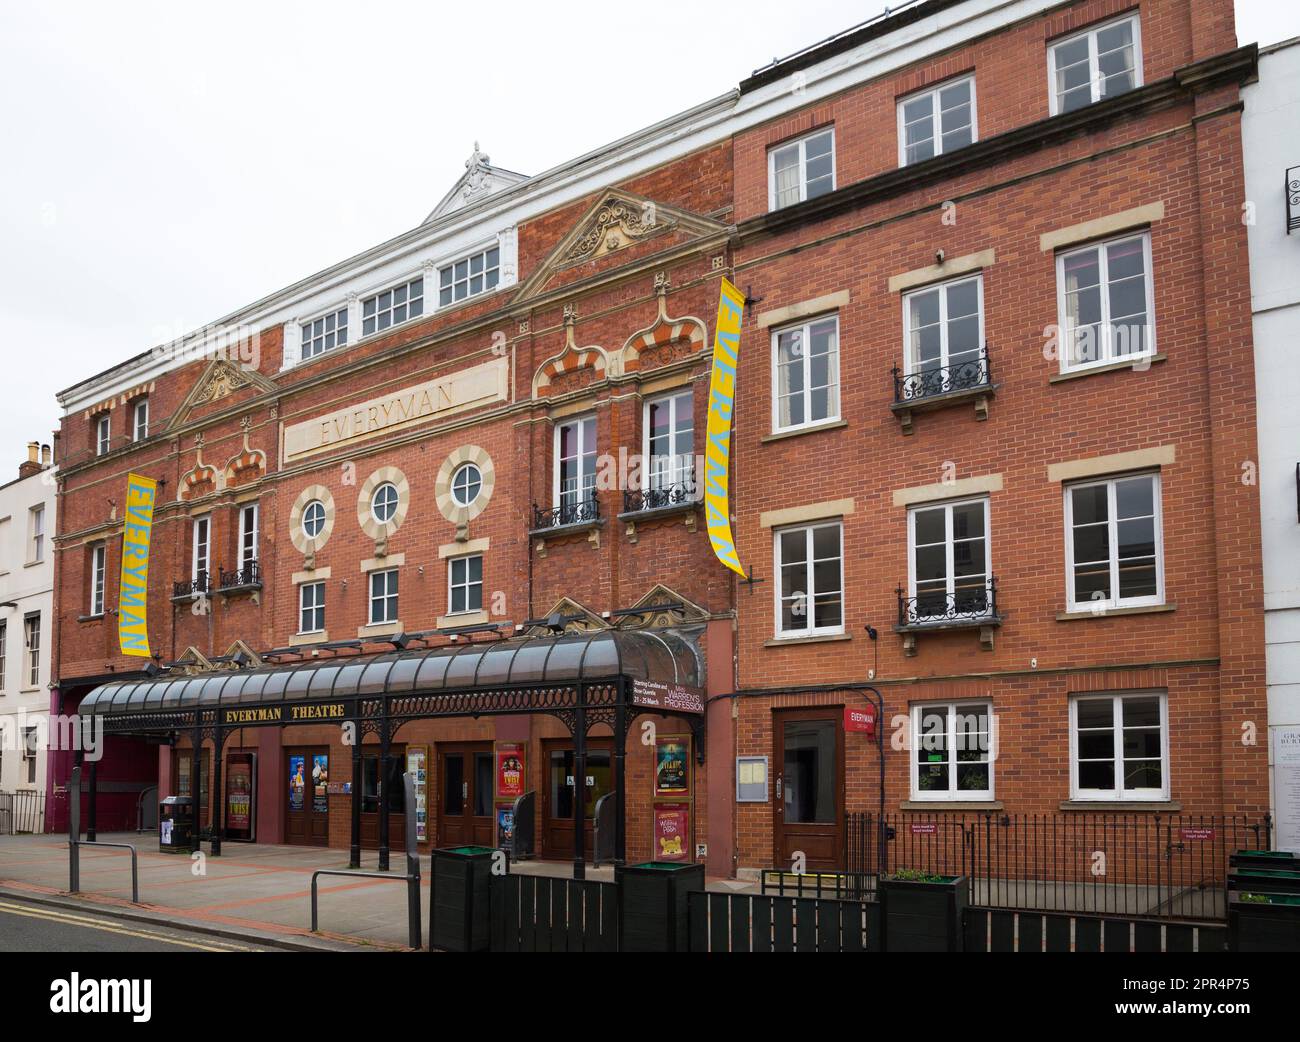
(662, 608)
(572, 616)
(479, 180)
(221, 380)
(617, 221)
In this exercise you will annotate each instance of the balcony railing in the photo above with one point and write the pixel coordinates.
(200, 585)
(661, 497)
(247, 577)
(929, 382)
(569, 512)
(975, 606)
(1292, 199)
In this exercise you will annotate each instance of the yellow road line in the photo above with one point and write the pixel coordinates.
(99, 924)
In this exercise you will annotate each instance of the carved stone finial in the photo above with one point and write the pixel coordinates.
(570, 314)
(661, 282)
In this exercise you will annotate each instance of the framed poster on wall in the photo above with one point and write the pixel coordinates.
(673, 767)
(417, 766)
(241, 796)
(672, 832)
(512, 777)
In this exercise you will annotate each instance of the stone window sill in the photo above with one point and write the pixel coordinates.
(97, 617)
(1165, 806)
(1145, 609)
(812, 428)
(1109, 367)
(816, 638)
(951, 805)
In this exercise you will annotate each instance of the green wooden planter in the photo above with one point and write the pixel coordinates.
(1265, 880)
(924, 916)
(1284, 860)
(653, 908)
(1263, 922)
(459, 905)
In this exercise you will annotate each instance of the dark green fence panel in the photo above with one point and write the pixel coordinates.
(538, 914)
(1087, 935)
(1003, 932)
(722, 922)
(976, 929)
(1146, 937)
(1031, 932)
(1058, 933)
(1115, 935)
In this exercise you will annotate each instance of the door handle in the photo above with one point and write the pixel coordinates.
(464, 790)
(780, 791)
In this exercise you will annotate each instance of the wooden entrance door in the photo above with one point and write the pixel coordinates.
(809, 759)
(183, 779)
(558, 793)
(466, 790)
(391, 773)
(307, 819)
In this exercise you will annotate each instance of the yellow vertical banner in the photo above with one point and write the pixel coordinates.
(717, 446)
(133, 601)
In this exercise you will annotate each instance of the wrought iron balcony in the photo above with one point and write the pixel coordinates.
(661, 497)
(248, 577)
(972, 375)
(569, 512)
(1292, 199)
(200, 585)
(973, 607)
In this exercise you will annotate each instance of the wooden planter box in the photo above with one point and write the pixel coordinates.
(1283, 860)
(653, 908)
(924, 917)
(1269, 926)
(1263, 880)
(459, 905)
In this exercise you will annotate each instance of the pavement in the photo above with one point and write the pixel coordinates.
(255, 894)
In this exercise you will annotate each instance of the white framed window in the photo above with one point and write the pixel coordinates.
(311, 608)
(468, 277)
(201, 557)
(943, 333)
(1105, 302)
(575, 463)
(466, 484)
(313, 519)
(36, 535)
(810, 580)
(801, 170)
(1098, 63)
(669, 444)
(4, 654)
(140, 420)
(249, 534)
(383, 503)
(104, 435)
(32, 644)
(1114, 544)
(953, 750)
(323, 334)
(1119, 747)
(465, 584)
(98, 575)
(392, 307)
(806, 374)
(948, 556)
(383, 597)
(936, 121)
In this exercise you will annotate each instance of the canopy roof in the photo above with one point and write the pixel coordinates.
(552, 661)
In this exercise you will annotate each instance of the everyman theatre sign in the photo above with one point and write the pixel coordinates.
(133, 601)
(717, 447)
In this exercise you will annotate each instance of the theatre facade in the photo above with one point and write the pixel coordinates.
(438, 508)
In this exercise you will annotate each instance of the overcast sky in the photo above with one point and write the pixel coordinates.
(162, 164)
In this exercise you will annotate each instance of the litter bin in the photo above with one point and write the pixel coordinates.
(458, 899)
(175, 825)
(654, 905)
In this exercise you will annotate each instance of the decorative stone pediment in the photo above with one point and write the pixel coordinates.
(220, 380)
(193, 663)
(479, 180)
(618, 219)
(663, 608)
(575, 618)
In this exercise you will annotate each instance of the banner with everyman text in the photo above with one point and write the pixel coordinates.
(133, 602)
(717, 446)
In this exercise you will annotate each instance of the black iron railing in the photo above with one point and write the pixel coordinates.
(1162, 866)
(974, 605)
(677, 494)
(200, 584)
(250, 574)
(945, 379)
(1292, 199)
(569, 512)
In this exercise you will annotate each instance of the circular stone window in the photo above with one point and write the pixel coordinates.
(313, 519)
(466, 484)
(383, 504)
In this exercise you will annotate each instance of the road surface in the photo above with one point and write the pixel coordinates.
(27, 927)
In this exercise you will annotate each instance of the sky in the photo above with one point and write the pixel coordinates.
(163, 164)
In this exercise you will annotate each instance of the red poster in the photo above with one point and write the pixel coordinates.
(511, 780)
(672, 832)
(928, 828)
(1198, 834)
(861, 719)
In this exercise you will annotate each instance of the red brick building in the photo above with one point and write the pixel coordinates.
(994, 398)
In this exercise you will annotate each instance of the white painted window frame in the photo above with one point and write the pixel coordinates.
(98, 578)
(1100, 606)
(305, 338)
(949, 544)
(911, 364)
(317, 607)
(104, 434)
(808, 530)
(952, 794)
(201, 547)
(802, 143)
(391, 592)
(1119, 794)
(250, 535)
(806, 356)
(419, 276)
(1065, 340)
(580, 422)
(140, 420)
(1094, 75)
(467, 257)
(936, 114)
(467, 586)
(679, 471)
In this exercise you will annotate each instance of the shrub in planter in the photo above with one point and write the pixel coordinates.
(923, 912)
(1262, 922)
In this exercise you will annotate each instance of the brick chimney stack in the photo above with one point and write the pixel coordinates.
(32, 465)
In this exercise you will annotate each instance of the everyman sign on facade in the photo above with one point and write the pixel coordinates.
(133, 602)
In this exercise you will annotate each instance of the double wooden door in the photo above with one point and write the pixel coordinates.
(466, 791)
(307, 813)
(561, 790)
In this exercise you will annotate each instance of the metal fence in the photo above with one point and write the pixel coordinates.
(22, 813)
(1171, 867)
